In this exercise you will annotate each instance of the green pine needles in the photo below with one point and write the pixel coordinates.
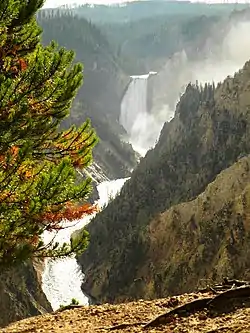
(38, 161)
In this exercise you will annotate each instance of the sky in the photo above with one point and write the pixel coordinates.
(57, 3)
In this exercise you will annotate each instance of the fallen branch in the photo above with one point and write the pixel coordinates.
(189, 307)
(243, 291)
(200, 304)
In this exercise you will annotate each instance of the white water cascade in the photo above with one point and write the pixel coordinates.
(62, 278)
(134, 116)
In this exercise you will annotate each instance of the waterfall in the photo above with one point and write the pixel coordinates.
(62, 278)
(134, 109)
(141, 126)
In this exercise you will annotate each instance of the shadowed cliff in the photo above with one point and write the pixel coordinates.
(21, 294)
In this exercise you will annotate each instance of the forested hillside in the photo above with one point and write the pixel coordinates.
(104, 81)
(144, 34)
(104, 85)
(209, 132)
(137, 10)
(145, 45)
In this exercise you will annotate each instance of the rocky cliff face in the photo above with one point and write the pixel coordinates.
(21, 295)
(209, 133)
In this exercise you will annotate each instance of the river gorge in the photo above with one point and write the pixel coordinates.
(62, 278)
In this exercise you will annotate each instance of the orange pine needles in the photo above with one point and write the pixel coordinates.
(22, 64)
(70, 213)
(8, 159)
(14, 150)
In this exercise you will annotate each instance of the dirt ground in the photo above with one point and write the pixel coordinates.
(233, 316)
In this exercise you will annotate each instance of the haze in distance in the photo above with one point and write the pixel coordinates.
(58, 3)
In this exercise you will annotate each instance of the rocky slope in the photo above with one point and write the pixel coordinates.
(209, 133)
(131, 317)
(201, 240)
(21, 295)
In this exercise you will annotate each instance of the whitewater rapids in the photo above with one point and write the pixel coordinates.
(62, 278)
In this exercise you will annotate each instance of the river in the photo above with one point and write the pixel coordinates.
(62, 278)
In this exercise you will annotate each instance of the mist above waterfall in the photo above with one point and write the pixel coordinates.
(222, 57)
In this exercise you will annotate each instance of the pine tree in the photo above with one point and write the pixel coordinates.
(38, 161)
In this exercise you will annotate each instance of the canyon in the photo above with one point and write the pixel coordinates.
(170, 173)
